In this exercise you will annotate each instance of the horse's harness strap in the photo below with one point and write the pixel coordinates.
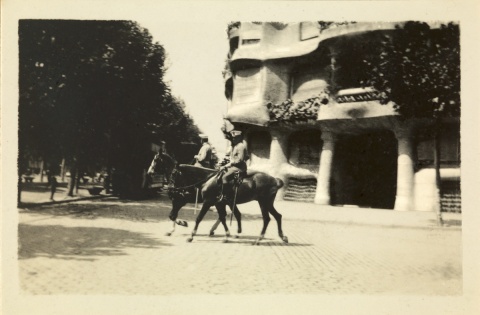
(238, 178)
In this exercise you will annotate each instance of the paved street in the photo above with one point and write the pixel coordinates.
(107, 246)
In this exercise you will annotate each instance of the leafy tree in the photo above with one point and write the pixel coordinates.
(418, 69)
(92, 92)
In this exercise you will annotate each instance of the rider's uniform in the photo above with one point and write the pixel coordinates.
(238, 159)
(204, 156)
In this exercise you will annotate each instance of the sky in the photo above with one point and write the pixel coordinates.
(195, 59)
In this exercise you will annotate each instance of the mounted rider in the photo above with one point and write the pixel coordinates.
(204, 156)
(238, 162)
(161, 164)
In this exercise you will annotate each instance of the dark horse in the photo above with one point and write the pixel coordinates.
(165, 164)
(255, 186)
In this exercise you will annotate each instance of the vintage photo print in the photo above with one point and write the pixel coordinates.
(285, 157)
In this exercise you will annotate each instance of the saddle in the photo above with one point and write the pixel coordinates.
(237, 178)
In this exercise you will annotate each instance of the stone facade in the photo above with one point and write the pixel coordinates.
(354, 151)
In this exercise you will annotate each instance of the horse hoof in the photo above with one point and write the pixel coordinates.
(237, 236)
(239, 230)
(225, 241)
(285, 239)
(182, 223)
(168, 234)
(211, 233)
(190, 239)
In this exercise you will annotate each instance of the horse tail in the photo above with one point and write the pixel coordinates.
(280, 183)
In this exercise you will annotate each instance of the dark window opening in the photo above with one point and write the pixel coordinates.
(233, 44)
(304, 147)
(250, 41)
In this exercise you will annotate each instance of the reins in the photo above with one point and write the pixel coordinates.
(194, 184)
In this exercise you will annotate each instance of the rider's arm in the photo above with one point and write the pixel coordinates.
(202, 154)
(151, 169)
(238, 155)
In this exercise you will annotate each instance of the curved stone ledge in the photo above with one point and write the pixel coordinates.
(251, 113)
(355, 110)
(286, 42)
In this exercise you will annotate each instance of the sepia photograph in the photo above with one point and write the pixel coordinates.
(255, 157)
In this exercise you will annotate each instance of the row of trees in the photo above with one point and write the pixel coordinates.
(93, 93)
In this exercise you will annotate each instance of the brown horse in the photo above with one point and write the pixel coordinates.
(255, 186)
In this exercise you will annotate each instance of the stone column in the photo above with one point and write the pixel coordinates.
(405, 169)
(322, 195)
(278, 157)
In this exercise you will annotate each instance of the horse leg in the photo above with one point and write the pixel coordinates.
(206, 205)
(171, 231)
(278, 218)
(214, 227)
(173, 217)
(266, 220)
(238, 217)
(222, 215)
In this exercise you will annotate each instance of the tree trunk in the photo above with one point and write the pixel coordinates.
(21, 169)
(436, 161)
(72, 180)
(77, 181)
(62, 171)
(41, 170)
(19, 190)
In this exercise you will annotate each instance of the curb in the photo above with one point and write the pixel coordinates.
(73, 199)
(421, 224)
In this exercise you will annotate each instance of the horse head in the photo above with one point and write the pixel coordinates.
(177, 192)
(184, 180)
(162, 163)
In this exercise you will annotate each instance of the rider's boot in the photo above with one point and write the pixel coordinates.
(225, 194)
(220, 196)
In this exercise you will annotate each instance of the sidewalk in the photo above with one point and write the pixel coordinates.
(37, 194)
(354, 215)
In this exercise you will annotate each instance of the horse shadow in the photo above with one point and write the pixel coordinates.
(244, 240)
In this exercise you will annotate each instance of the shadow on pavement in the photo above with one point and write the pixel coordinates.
(243, 240)
(79, 243)
(126, 210)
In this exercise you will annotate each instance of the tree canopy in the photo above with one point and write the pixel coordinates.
(418, 68)
(94, 92)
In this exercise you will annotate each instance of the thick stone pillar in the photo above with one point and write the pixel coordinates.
(278, 157)
(278, 149)
(405, 169)
(322, 195)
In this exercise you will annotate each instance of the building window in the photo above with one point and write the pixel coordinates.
(308, 82)
(449, 147)
(247, 85)
(304, 147)
(250, 41)
(233, 44)
(259, 146)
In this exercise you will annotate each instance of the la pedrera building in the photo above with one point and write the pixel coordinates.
(345, 148)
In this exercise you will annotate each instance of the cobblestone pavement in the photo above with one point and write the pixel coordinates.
(113, 247)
